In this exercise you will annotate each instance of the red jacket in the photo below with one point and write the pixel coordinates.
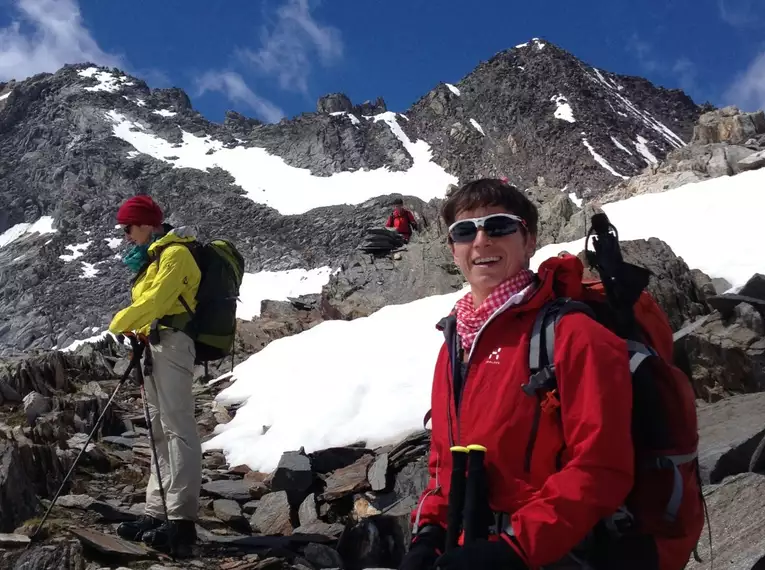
(551, 511)
(402, 220)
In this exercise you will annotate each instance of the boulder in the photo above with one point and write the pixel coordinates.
(273, 517)
(729, 431)
(753, 161)
(672, 283)
(728, 125)
(348, 480)
(293, 474)
(725, 351)
(334, 103)
(737, 516)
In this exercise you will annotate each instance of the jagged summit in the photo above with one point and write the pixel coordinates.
(535, 109)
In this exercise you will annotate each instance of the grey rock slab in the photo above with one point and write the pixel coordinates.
(753, 161)
(729, 431)
(14, 539)
(109, 544)
(737, 516)
(348, 480)
(237, 490)
(322, 556)
(307, 512)
(293, 474)
(228, 511)
(272, 516)
(378, 473)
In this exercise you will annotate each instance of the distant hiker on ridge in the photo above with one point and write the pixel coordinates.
(540, 453)
(402, 220)
(158, 282)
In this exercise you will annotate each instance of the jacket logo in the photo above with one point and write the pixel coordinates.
(494, 356)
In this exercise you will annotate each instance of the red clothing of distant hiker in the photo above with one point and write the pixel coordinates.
(551, 511)
(402, 220)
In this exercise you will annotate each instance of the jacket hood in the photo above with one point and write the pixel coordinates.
(182, 234)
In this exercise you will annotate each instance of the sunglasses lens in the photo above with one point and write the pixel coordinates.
(500, 226)
(464, 232)
(127, 229)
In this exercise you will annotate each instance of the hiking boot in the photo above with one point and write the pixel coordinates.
(133, 530)
(182, 532)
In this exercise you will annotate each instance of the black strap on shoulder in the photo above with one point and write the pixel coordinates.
(542, 343)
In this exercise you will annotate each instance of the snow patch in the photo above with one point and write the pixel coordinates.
(278, 286)
(621, 146)
(3, 97)
(453, 89)
(477, 126)
(540, 45)
(264, 176)
(673, 216)
(42, 226)
(77, 250)
(522, 45)
(602, 161)
(346, 389)
(644, 116)
(165, 113)
(642, 146)
(107, 81)
(74, 345)
(563, 111)
(89, 270)
(575, 199)
(354, 119)
(113, 243)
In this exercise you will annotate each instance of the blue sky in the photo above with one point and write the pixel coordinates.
(274, 58)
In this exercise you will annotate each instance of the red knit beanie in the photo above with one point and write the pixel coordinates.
(140, 211)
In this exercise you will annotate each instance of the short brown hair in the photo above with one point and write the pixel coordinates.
(490, 192)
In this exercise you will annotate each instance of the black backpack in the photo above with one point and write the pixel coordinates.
(213, 324)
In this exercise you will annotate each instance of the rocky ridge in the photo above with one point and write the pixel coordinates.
(65, 158)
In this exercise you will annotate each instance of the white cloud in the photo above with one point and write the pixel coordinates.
(234, 87)
(290, 44)
(739, 13)
(45, 35)
(748, 90)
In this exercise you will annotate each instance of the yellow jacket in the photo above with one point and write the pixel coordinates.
(155, 291)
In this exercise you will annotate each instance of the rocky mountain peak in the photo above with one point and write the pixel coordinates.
(339, 103)
(536, 109)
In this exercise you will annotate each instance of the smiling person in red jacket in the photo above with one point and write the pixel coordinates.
(547, 487)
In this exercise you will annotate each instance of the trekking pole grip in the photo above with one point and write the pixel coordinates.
(456, 496)
(476, 495)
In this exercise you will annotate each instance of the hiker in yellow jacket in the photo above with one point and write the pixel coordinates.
(159, 281)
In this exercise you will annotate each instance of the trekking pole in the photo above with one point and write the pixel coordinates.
(456, 496)
(476, 498)
(134, 365)
(139, 374)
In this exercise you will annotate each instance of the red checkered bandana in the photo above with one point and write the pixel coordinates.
(470, 321)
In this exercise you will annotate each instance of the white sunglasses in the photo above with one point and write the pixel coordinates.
(495, 225)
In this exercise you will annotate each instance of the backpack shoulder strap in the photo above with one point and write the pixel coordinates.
(542, 343)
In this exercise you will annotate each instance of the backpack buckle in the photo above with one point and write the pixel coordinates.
(543, 379)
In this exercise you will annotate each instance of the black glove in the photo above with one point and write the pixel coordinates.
(482, 554)
(426, 547)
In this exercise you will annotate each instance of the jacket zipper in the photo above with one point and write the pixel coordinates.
(494, 315)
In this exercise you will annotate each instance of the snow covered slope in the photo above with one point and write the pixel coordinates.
(335, 384)
(268, 179)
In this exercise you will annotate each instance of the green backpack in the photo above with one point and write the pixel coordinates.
(213, 324)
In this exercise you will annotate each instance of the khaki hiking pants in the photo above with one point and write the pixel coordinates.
(171, 409)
